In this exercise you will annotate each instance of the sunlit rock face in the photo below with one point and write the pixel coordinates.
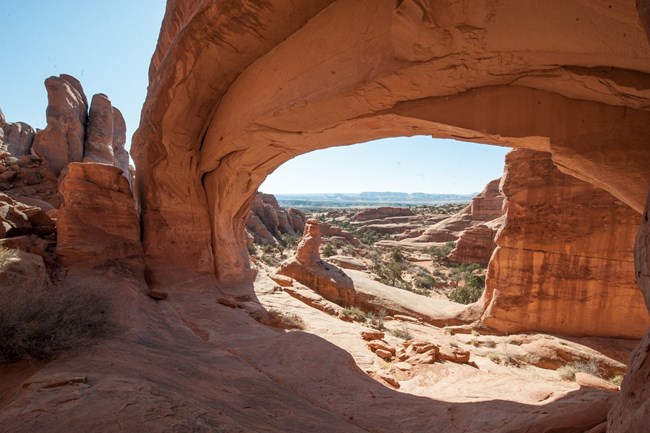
(564, 262)
(263, 82)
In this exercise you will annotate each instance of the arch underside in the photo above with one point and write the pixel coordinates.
(239, 87)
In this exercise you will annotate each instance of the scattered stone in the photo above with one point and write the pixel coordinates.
(372, 335)
(389, 379)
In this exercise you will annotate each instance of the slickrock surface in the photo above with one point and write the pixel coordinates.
(564, 262)
(475, 245)
(97, 220)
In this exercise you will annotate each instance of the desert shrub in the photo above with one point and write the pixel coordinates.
(251, 250)
(465, 294)
(44, 322)
(472, 287)
(377, 319)
(355, 313)
(441, 252)
(280, 319)
(268, 248)
(328, 250)
(401, 332)
(290, 240)
(425, 281)
(368, 237)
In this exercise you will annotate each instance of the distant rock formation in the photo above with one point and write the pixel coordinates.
(382, 213)
(475, 245)
(307, 268)
(564, 261)
(97, 220)
(268, 222)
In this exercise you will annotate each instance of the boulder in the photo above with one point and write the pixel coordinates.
(19, 268)
(62, 140)
(97, 220)
(18, 137)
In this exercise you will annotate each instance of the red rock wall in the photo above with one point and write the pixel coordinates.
(564, 258)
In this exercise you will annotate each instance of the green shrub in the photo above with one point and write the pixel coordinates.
(355, 313)
(328, 250)
(426, 281)
(466, 294)
(441, 252)
(377, 319)
(42, 323)
(402, 332)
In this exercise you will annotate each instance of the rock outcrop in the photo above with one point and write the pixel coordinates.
(29, 180)
(308, 268)
(18, 138)
(72, 133)
(268, 222)
(475, 245)
(631, 410)
(564, 257)
(382, 213)
(98, 146)
(97, 220)
(488, 204)
(62, 141)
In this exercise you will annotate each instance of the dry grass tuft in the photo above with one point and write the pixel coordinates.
(42, 323)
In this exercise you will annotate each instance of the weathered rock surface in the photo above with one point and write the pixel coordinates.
(21, 269)
(268, 222)
(20, 219)
(488, 204)
(475, 245)
(98, 146)
(308, 268)
(564, 262)
(18, 138)
(62, 141)
(97, 220)
(29, 180)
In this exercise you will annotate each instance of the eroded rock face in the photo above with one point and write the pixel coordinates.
(62, 141)
(268, 222)
(475, 245)
(308, 268)
(18, 137)
(97, 220)
(564, 262)
(488, 204)
(99, 131)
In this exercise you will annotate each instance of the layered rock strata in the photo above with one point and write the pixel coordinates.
(97, 220)
(564, 258)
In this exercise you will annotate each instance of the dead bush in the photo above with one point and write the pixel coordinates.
(43, 322)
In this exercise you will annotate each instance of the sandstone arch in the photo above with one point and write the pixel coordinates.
(239, 87)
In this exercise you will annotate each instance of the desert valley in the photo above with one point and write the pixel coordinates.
(173, 296)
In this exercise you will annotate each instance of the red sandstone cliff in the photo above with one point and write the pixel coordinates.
(564, 258)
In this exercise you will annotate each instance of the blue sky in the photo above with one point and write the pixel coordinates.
(108, 45)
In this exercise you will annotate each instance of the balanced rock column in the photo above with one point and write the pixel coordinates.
(323, 278)
(97, 220)
(564, 257)
(99, 132)
(62, 141)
